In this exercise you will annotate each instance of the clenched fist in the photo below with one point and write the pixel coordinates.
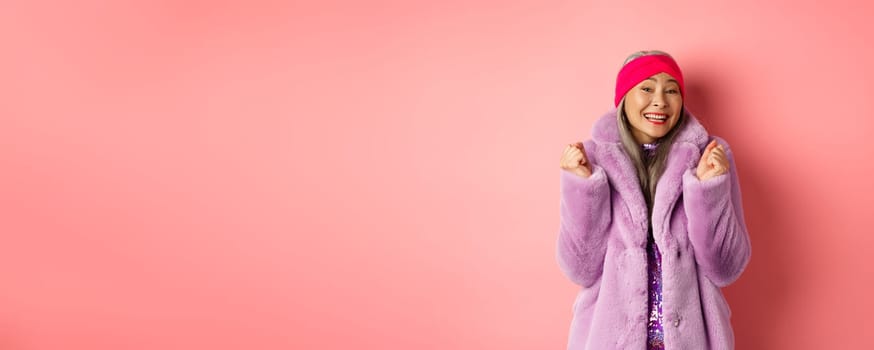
(713, 162)
(575, 161)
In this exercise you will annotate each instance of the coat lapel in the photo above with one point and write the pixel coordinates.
(622, 175)
(670, 187)
(684, 155)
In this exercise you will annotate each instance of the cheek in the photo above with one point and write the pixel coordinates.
(633, 103)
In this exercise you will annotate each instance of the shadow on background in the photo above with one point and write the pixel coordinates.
(758, 298)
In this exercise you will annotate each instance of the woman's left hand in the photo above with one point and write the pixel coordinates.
(713, 161)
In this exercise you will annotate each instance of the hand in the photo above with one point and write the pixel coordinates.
(575, 161)
(713, 162)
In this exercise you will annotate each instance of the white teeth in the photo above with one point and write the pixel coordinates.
(655, 116)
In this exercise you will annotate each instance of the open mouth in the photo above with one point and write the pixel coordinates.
(656, 118)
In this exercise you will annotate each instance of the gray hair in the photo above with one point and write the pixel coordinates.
(639, 54)
(648, 171)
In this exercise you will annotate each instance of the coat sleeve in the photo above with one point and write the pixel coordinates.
(585, 217)
(717, 230)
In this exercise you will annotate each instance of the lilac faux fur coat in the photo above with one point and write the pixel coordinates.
(698, 226)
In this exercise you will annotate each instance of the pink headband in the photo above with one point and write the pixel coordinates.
(644, 67)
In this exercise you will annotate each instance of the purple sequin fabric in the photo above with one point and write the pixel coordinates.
(655, 334)
(649, 149)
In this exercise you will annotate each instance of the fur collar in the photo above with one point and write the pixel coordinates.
(684, 155)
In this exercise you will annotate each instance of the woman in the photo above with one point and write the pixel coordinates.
(651, 220)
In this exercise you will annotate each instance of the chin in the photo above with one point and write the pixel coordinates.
(657, 137)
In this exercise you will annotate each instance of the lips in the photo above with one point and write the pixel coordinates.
(656, 118)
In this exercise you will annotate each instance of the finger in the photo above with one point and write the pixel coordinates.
(579, 149)
(718, 150)
(568, 154)
(579, 157)
(720, 157)
(574, 156)
(571, 150)
(574, 146)
(706, 153)
(710, 146)
(720, 154)
(573, 159)
(724, 165)
(720, 164)
(567, 157)
(567, 151)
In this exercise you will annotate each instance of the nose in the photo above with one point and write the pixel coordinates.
(658, 100)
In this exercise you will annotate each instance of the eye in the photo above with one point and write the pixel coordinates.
(673, 91)
(646, 88)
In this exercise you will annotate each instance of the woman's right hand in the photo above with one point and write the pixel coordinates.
(575, 161)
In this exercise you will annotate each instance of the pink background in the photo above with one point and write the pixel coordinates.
(264, 175)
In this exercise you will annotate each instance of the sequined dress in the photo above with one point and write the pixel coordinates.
(655, 335)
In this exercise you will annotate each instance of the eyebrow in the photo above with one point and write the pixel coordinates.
(669, 80)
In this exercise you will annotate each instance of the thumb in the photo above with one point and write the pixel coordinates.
(707, 150)
(585, 160)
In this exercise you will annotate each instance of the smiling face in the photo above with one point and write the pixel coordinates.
(653, 107)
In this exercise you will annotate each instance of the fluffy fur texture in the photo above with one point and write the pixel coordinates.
(698, 226)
